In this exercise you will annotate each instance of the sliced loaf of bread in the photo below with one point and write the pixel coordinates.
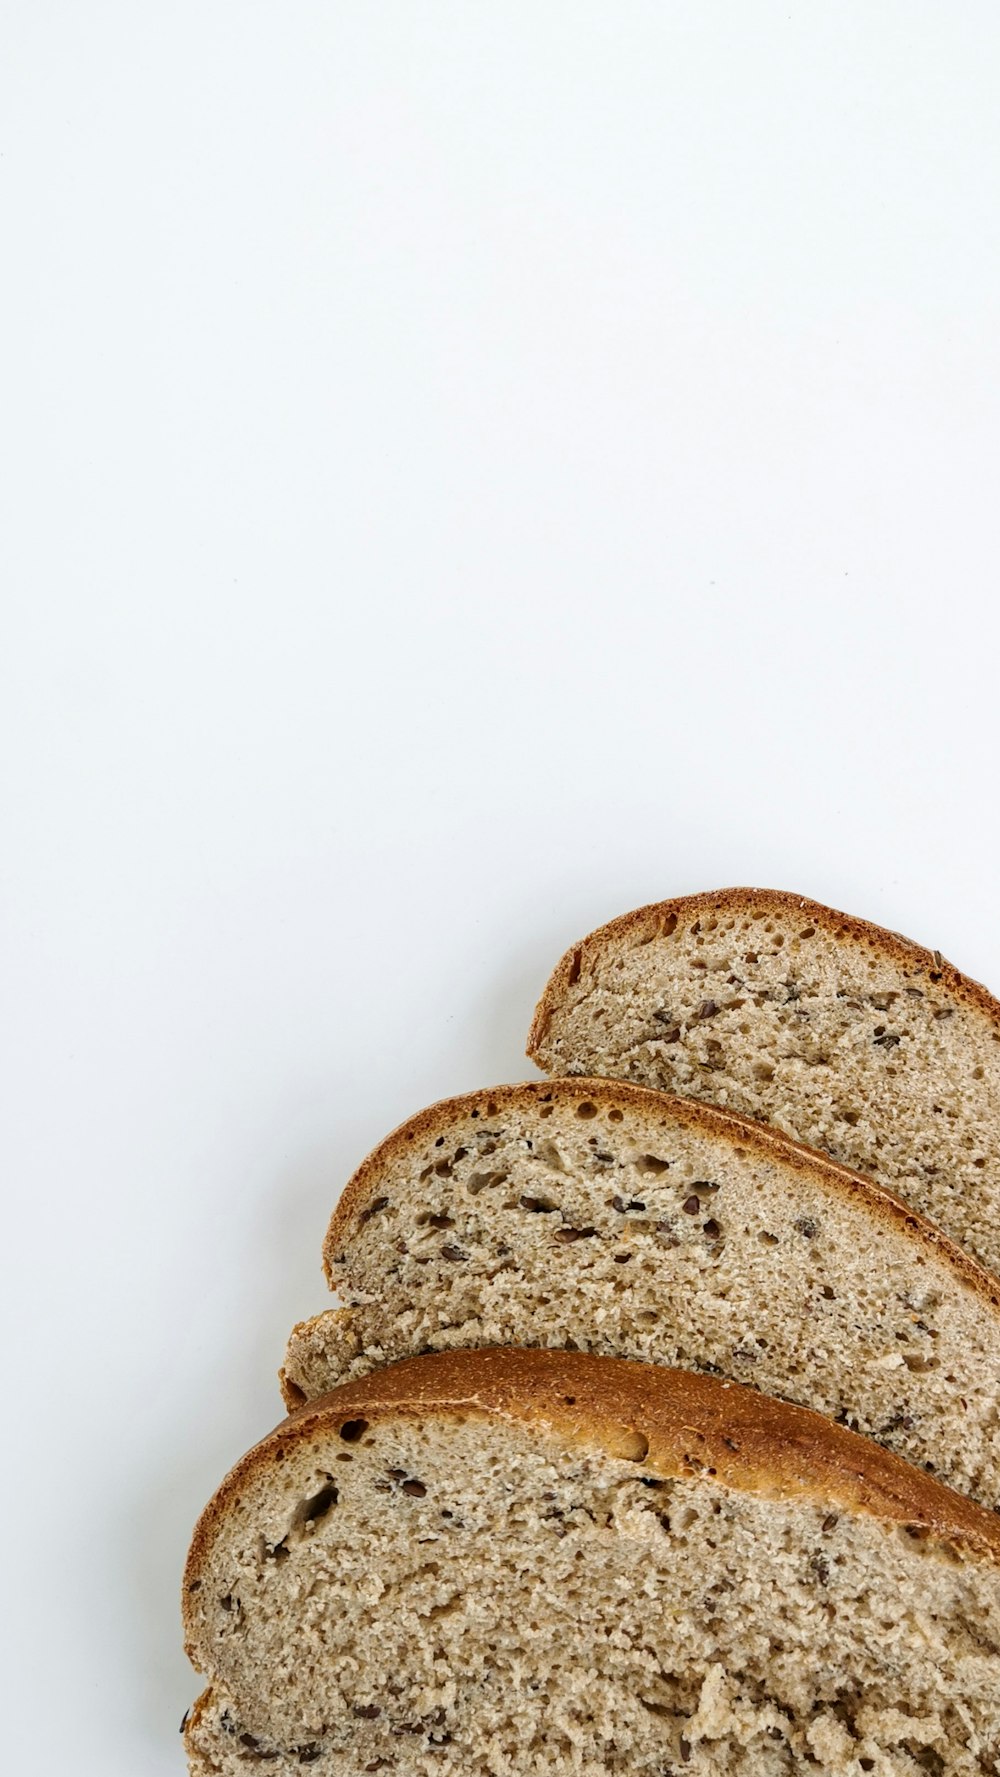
(846, 1036)
(500, 1562)
(599, 1215)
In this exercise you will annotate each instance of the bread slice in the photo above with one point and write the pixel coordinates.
(500, 1562)
(846, 1036)
(595, 1214)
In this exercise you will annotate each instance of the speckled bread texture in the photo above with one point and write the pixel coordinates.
(500, 1562)
(606, 1217)
(846, 1036)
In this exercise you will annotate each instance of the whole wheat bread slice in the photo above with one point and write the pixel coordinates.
(846, 1036)
(596, 1214)
(505, 1562)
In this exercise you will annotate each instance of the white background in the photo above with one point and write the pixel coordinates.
(468, 469)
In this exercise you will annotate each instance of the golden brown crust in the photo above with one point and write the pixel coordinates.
(651, 920)
(671, 1423)
(758, 1138)
(193, 1720)
(292, 1396)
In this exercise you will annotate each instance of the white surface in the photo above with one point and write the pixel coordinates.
(467, 470)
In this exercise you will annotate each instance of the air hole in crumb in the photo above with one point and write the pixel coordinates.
(353, 1429)
(669, 925)
(549, 1155)
(767, 1239)
(413, 1489)
(586, 1109)
(482, 1181)
(634, 1447)
(650, 1163)
(309, 1511)
(615, 1115)
(574, 969)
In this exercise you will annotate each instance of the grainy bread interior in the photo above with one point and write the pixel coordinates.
(604, 1216)
(846, 1036)
(498, 1563)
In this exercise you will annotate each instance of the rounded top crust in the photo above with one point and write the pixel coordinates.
(660, 919)
(671, 1424)
(450, 1115)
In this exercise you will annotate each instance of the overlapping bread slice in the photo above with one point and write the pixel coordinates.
(504, 1562)
(846, 1036)
(599, 1215)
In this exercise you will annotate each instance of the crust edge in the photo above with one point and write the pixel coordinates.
(845, 927)
(671, 1423)
(770, 1144)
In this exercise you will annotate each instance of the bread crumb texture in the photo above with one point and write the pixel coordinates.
(605, 1217)
(511, 1562)
(846, 1036)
